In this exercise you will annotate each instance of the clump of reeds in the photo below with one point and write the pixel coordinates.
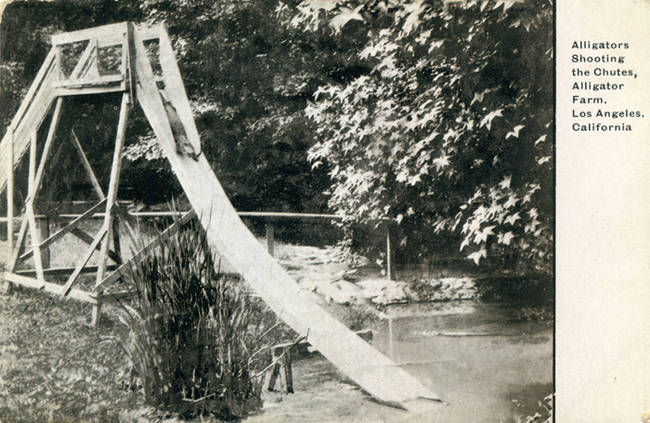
(193, 333)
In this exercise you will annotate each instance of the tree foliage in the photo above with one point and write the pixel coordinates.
(451, 129)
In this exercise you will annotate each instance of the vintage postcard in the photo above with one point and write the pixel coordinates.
(324, 211)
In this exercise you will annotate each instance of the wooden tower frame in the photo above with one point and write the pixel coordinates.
(49, 90)
(158, 89)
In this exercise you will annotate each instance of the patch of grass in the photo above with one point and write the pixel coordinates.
(54, 367)
(194, 336)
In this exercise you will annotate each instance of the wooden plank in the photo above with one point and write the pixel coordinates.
(90, 69)
(29, 122)
(67, 229)
(87, 166)
(227, 234)
(90, 82)
(10, 192)
(58, 73)
(123, 269)
(77, 294)
(46, 150)
(31, 174)
(62, 271)
(40, 80)
(288, 215)
(114, 181)
(36, 240)
(98, 32)
(20, 241)
(29, 217)
(89, 253)
(83, 60)
(117, 255)
(111, 199)
(117, 87)
(127, 59)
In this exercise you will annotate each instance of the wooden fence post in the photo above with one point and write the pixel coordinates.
(389, 256)
(270, 238)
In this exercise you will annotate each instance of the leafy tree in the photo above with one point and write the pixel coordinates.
(450, 132)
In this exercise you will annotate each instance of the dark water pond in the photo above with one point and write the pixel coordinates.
(488, 365)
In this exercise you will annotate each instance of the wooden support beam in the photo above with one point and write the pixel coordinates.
(83, 60)
(91, 70)
(44, 233)
(111, 32)
(77, 294)
(123, 269)
(68, 91)
(36, 240)
(67, 229)
(100, 81)
(128, 50)
(20, 241)
(62, 271)
(10, 192)
(111, 199)
(39, 81)
(117, 255)
(35, 184)
(31, 175)
(34, 109)
(89, 253)
(87, 166)
(46, 149)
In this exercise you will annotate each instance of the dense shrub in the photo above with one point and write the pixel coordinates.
(193, 334)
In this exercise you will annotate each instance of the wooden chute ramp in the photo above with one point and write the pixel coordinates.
(156, 85)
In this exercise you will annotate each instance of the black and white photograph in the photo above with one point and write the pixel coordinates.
(294, 211)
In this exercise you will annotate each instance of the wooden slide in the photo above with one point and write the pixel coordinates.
(226, 233)
(353, 356)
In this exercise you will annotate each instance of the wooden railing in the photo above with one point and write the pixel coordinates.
(270, 217)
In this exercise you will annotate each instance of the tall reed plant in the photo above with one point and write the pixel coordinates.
(193, 334)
